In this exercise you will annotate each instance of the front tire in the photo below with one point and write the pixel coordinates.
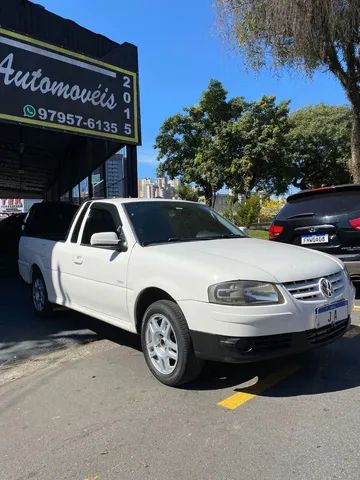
(167, 345)
(41, 305)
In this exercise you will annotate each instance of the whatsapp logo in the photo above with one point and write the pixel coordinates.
(29, 111)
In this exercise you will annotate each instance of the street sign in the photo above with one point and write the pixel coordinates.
(48, 86)
(96, 178)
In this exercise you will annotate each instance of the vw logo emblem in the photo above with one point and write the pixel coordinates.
(326, 287)
(312, 229)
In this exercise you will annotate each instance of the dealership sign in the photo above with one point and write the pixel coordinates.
(7, 204)
(47, 86)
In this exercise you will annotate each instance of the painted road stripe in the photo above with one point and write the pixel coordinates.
(237, 399)
(356, 309)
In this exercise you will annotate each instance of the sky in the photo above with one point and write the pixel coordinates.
(180, 50)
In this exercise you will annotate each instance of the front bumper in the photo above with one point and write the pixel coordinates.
(252, 349)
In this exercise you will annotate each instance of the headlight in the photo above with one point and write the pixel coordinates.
(244, 292)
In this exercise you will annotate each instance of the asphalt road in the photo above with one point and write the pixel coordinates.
(85, 407)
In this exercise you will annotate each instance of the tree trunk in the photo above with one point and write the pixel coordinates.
(208, 193)
(213, 200)
(355, 147)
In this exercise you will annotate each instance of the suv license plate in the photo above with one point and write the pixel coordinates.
(331, 313)
(306, 239)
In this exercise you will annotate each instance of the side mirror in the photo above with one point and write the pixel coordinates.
(105, 239)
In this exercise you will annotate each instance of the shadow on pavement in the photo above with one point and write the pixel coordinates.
(332, 368)
(23, 335)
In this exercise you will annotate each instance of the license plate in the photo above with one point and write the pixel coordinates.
(331, 313)
(322, 238)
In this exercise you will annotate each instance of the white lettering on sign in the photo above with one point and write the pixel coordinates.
(35, 81)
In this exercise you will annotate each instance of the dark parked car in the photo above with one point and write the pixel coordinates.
(10, 232)
(325, 219)
(49, 220)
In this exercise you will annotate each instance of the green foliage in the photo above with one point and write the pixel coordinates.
(248, 212)
(185, 141)
(303, 34)
(226, 142)
(257, 145)
(319, 145)
(187, 192)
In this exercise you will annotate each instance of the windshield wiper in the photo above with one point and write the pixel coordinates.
(232, 235)
(298, 215)
(169, 240)
(193, 239)
(219, 237)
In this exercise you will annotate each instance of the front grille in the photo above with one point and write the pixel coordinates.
(328, 333)
(272, 342)
(309, 290)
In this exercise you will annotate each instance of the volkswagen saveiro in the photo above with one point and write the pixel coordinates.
(189, 282)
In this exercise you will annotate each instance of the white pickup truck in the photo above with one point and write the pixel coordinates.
(188, 281)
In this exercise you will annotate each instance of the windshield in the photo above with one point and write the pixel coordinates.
(161, 222)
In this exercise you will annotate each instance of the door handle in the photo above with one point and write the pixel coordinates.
(78, 260)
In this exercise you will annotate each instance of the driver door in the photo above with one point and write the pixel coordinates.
(99, 273)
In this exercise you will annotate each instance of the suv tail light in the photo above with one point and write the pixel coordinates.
(276, 230)
(355, 223)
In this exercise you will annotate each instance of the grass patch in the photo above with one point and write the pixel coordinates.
(262, 234)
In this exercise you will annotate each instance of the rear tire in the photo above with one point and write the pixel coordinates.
(41, 305)
(167, 345)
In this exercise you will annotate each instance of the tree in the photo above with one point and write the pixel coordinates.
(257, 147)
(319, 144)
(187, 192)
(187, 141)
(305, 34)
(226, 142)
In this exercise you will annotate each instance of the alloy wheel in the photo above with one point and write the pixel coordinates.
(161, 344)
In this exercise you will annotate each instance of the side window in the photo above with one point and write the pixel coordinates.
(100, 219)
(75, 233)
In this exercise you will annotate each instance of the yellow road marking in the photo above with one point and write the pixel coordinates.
(356, 309)
(237, 399)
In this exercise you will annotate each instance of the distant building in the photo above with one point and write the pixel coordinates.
(159, 188)
(147, 188)
(175, 183)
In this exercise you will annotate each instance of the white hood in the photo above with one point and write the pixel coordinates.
(250, 259)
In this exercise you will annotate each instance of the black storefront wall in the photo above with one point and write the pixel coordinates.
(69, 100)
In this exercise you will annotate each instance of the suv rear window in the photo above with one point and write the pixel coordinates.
(331, 203)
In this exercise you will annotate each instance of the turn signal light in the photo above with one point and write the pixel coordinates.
(355, 223)
(276, 230)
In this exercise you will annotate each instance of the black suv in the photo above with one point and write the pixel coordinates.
(325, 219)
